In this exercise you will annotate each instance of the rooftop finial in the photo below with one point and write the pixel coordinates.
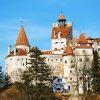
(61, 17)
(61, 12)
(21, 21)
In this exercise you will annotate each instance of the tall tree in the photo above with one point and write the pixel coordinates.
(7, 81)
(1, 78)
(95, 73)
(37, 77)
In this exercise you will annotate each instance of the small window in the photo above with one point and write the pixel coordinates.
(62, 42)
(70, 78)
(65, 61)
(82, 44)
(56, 42)
(83, 51)
(56, 59)
(23, 64)
(80, 59)
(71, 61)
(51, 59)
(60, 59)
(80, 78)
(70, 71)
(26, 62)
(98, 49)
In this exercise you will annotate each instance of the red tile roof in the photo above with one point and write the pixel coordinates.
(82, 39)
(46, 53)
(64, 32)
(22, 38)
(84, 47)
(19, 52)
(68, 50)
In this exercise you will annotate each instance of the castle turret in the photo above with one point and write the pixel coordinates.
(22, 41)
(16, 60)
(9, 49)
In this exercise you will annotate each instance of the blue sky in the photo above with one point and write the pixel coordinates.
(38, 16)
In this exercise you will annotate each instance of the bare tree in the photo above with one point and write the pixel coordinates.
(82, 67)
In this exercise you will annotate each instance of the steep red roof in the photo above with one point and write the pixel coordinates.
(68, 50)
(22, 38)
(64, 32)
(82, 39)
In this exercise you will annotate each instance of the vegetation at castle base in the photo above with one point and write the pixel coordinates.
(5, 82)
(95, 73)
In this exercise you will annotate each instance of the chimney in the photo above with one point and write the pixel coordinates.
(14, 50)
(9, 49)
(59, 39)
(28, 49)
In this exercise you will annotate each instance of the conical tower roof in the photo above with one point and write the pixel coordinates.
(82, 39)
(22, 38)
(68, 50)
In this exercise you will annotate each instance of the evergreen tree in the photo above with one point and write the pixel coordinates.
(1, 78)
(7, 81)
(37, 77)
(95, 73)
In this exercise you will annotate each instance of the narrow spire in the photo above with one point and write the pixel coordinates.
(61, 17)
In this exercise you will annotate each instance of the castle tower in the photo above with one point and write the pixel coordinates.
(17, 58)
(61, 33)
(22, 41)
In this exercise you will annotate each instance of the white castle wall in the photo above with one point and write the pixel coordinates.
(68, 61)
(82, 51)
(24, 47)
(57, 45)
(15, 65)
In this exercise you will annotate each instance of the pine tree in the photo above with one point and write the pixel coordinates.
(1, 78)
(7, 81)
(37, 77)
(95, 73)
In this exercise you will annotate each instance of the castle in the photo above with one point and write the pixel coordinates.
(66, 53)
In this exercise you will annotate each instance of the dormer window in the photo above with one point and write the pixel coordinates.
(56, 42)
(82, 44)
(83, 51)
